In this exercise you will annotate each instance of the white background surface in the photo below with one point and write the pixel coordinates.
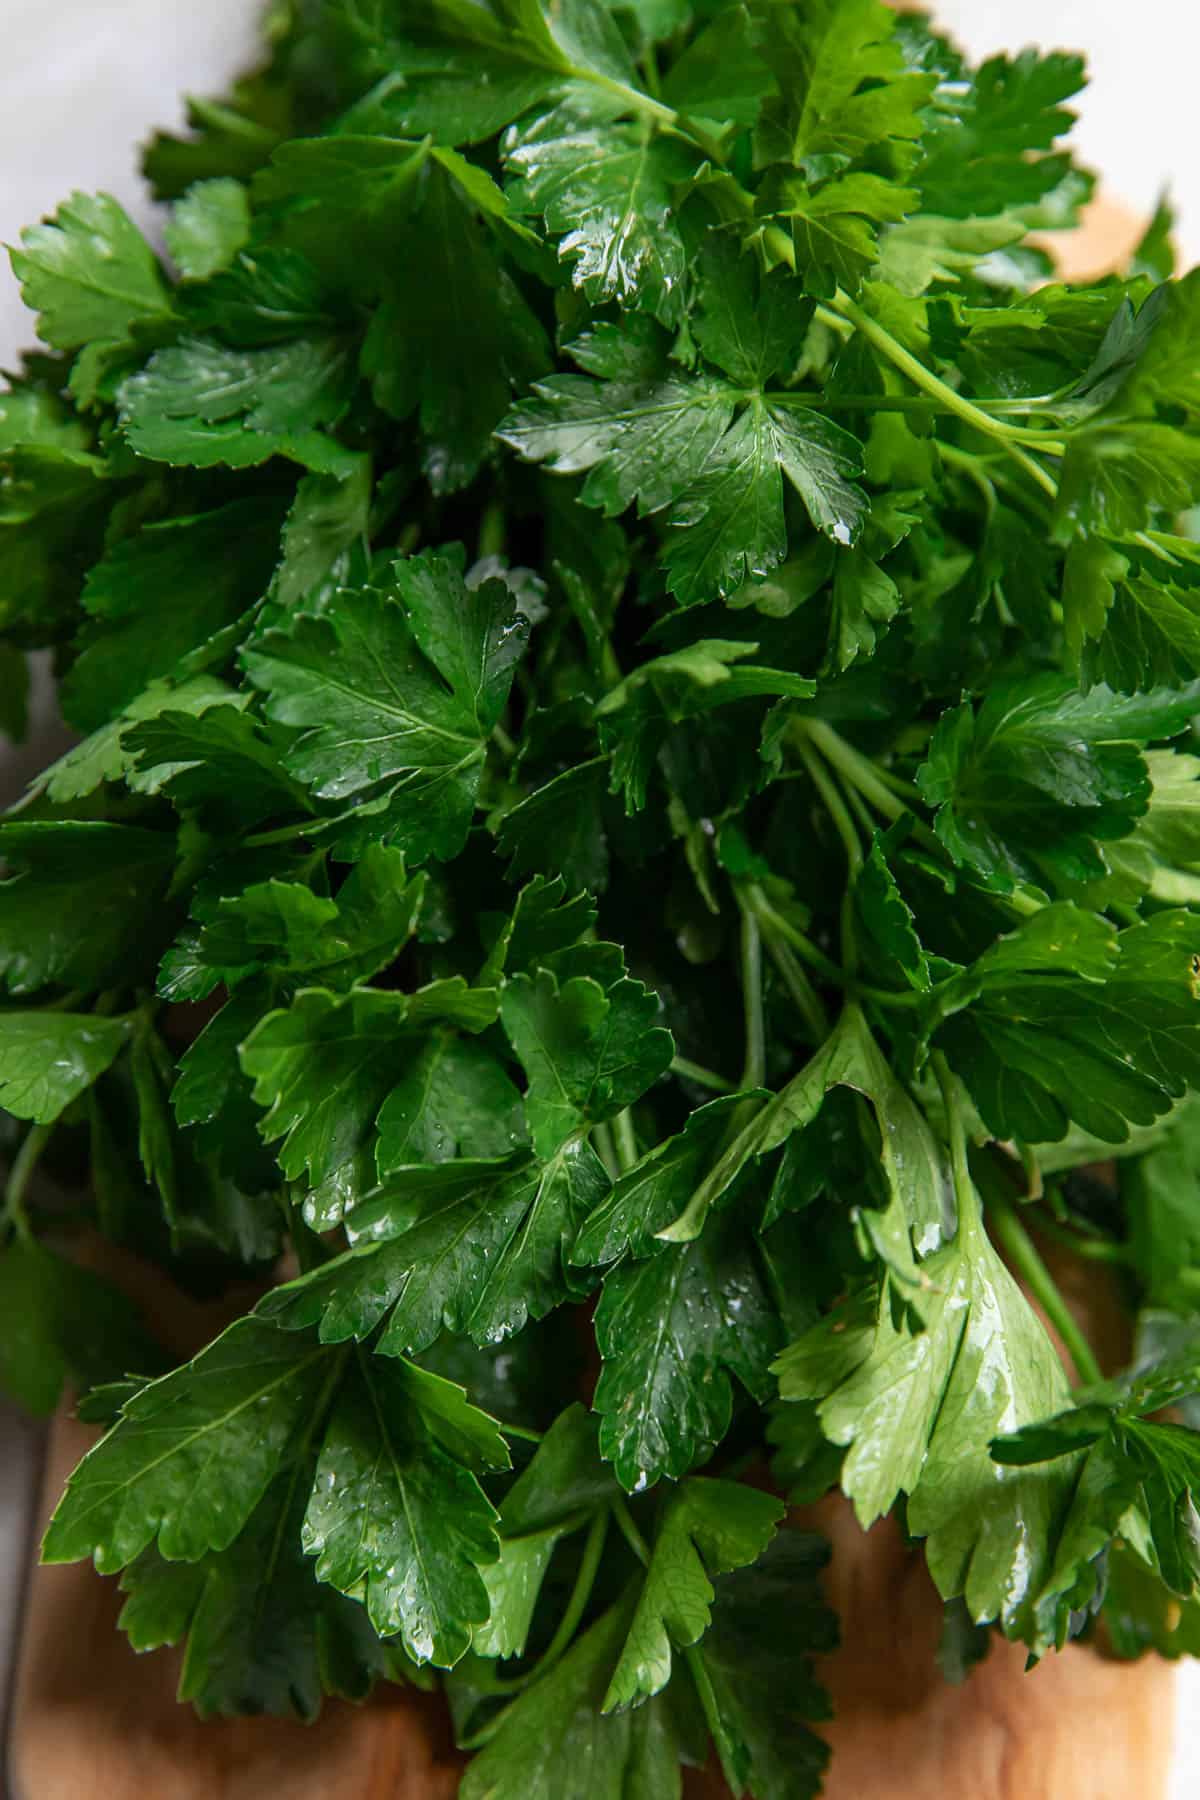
(81, 81)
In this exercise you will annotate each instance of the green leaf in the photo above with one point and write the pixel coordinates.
(329, 517)
(466, 72)
(649, 1196)
(397, 1517)
(982, 150)
(221, 770)
(47, 1059)
(453, 1100)
(677, 442)
(1131, 1463)
(588, 1053)
(263, 1635)
(558, 830)
(208, 227)
(324, 1064)
(1039, 1050)
(887, 914)
(708, 1528)
(914, 1164)
(285, 927)
(916, 1409)
(53, 506)
(556, 1744)
(104, 756)
(542, 921)
(607, 190)
(843, 81)
(768, 1622)
(62, 1323)
(193, 1452)
(200, 404)
(89, 274)
(477, 1247)
(672, 1331)
(131, 640)
(1159, 1191)
(455, 366)
(396, 693)
(1027, 787)
(85, 902)
(833, 228)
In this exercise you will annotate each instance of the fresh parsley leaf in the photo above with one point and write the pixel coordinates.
(409, 749)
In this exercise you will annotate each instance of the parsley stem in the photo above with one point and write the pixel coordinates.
(754, 1068)
(698, 1669)
(804, 947)
(965, 1194)
(837, 809)
(629, 1531)
(707, 1078)
(798, 985)
(1028, 1265)
(284, 835)
(625, 1140)
(522, 1431)
(581, 1593)
(602, 1141)
(20, 1175)
(664, 116)
(1092, 1249)
(844, 825)
(892, 797)
(934, 386)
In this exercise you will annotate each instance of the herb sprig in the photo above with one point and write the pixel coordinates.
(636, 658)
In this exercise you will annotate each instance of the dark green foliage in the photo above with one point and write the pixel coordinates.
(639, 666)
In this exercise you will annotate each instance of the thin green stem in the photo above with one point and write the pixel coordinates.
(965, 1194)
(1092, 1249)
(1034, 469)
(581, 1593)
(679, 124)
(969, 460)
(503, 742)
(284, 834)
(522, 1431)
(707, 1078)
(627, 1526)
(933, 385)
(804, 948)
(754, 1067)
(808, 1002)
(1023, 1254)
(837, 809)
(890, 795)
(606, 1150)
(903, 403)
(625, 1141)
(709, 1705)
(492, 531)
(844, 825)
(889, 996)
(20, 1175)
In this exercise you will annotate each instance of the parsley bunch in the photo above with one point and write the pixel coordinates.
(636, 826)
